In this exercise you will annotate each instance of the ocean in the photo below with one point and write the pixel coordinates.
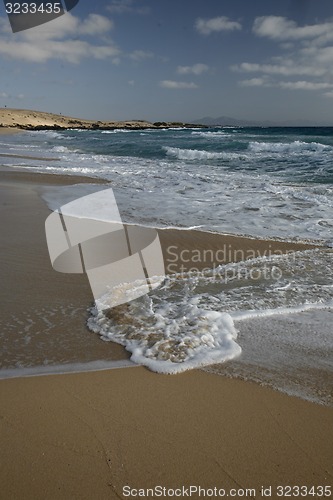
(267, 320)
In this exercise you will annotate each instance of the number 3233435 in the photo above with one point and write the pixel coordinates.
(34, 8)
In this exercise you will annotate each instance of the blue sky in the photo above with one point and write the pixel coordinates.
(175, 60)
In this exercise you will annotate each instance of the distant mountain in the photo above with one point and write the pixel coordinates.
(227, 121)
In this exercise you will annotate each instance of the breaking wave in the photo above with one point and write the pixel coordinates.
(293, 147)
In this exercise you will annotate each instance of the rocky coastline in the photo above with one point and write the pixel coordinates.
(37, 120)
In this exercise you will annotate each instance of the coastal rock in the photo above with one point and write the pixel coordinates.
(38, 120)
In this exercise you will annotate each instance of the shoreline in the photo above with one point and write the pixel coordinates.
(89, 434)
(10, 130)
(62, 301)
(26, 157)
(275, 245)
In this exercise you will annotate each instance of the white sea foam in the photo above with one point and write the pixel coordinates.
(212, 135)
(189, 322)
(117, 131)
(172, 128)
(62, 149)
(299, 147)
(281, 311)
(19, 147)
(195, 154)
(56, 198)
(241, 194)
(170, 194)
(83, 130)
(49, 134)
(170, 336)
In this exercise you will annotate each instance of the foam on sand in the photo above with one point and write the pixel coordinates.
(168, 336)
(189, 323)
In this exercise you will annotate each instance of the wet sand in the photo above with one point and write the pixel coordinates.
(9, 130)
(46, 311)
(88, 435)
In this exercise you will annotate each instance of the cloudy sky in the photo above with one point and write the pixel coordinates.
(175, 60)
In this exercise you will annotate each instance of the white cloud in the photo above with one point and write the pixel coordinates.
(4, 95)
(95, 25)
(59, 28)
(60, 39)
(289, 85)
(72, 51)
(322, 55)
(281, 28)
(126, 7)
(170, 84)
(304, 85)
(216, 24)
(141, 55)
(329, 94)
(287, 45)
(254, 82)
(309, 56)
(285, 68)
(196, 69)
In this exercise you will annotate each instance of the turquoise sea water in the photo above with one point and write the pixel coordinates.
(260, 182)
(263, 182)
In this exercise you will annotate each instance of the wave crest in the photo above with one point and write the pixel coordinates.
(193, 154)
(282, 147)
